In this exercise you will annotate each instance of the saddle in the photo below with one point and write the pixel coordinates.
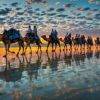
(13, 34)
(32, 37)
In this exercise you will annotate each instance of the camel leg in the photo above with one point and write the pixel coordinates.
(40, 47)
(26, 47)
(9, 48)
(70, 47)
(23, 50)
(59, 46)
(19, 49)
(55, 46)
(6, 50)
(48, 46)
(52, 47)
(30, 49)
(22, 45)
(64, 46)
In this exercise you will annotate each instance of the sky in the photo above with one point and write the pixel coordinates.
(76, 16)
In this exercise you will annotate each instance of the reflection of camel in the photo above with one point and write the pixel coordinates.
(33, 66)
(97, 54)
(79, 57)
(89, 54)
(97, 42)
(53, 61)
(11, 75)
(68, 58)
(14, 74)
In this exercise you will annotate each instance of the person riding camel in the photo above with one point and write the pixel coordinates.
(54, 34)
(35, 35)
(29, 32)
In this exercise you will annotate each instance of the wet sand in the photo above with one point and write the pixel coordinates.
(70, 75)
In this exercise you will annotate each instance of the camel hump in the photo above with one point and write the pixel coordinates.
(13, 34)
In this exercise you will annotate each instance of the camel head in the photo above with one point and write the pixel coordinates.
(61, 39)
(44, 37)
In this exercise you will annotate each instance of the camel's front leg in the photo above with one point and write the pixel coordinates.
(19, 50)
(59, 46)
(52, 47)
(65, 46)
(9, 48)
(39, 48)
(30, 49)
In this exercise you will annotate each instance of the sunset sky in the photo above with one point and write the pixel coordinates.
(81, 16)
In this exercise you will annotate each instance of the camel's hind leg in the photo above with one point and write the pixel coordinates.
(6, 50)
(21, 45)
(59, 45)
(48, 46)
(28, 45)
(39, 48)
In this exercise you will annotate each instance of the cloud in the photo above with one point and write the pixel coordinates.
(36, 1)
(20, 13)
(62, 15)
(60, 10)
(5, 11)
(18, 8)
(37, 9)
(97, 16)
(14, 4)
(68, 5)
(51, 14)
(50, 9)
(83, 9)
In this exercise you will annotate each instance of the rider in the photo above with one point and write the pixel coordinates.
(35, 35)
(35, 30)
(54, 34)
(29, 32)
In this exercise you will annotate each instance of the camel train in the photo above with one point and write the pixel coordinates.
(13, 36)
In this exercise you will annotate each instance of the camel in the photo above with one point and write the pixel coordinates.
(50, 41)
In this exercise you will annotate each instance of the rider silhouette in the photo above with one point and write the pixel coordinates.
(29, 32)
(54, 34)
(35, 35)
(35, 31)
